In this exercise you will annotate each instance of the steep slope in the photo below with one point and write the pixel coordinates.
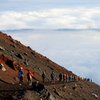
(25, 56)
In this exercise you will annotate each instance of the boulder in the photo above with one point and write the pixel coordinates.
(38, 87)
(20, 56)
(2, 67)
(13, 45)
(2, 49)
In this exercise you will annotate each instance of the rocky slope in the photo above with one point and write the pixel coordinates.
(14, 55)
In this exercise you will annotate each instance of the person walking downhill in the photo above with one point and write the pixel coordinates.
(43, 76)
(20, 75)
(29, 77)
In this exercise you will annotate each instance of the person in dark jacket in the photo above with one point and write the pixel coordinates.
(60, 77)
(43, 76)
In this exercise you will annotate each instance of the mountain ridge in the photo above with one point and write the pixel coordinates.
(59, 29)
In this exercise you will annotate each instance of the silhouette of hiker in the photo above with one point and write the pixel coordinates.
(60, 77)
(43, 76)
(29, 77)
(20, 75)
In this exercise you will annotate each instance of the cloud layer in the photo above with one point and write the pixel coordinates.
(72, 18)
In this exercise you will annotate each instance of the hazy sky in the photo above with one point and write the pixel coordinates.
(78, 51)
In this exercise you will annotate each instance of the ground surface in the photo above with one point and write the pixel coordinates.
(61, 91)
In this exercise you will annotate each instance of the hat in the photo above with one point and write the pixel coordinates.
(21, 68)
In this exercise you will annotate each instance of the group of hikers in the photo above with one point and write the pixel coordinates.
(61, 78)
(64, 77)
(21, 76)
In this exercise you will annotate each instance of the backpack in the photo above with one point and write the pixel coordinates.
(43, 75)
(19, 74)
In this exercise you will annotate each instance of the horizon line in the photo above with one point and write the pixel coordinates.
(59, 29)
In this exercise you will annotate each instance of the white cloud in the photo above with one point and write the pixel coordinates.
(77, 18)
(36, 36)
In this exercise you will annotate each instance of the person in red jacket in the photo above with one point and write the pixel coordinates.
(64, 77)
(29, 77)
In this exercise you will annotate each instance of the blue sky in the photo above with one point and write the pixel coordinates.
(78, 50)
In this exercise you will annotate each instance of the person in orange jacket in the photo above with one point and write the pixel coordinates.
(64, 77)
(29, 77)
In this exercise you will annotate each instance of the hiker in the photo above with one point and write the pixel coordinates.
(43, 76)
(29, 77)
(53, 77)
(70, 77)
(20, 75)
(67, 77)
(64, 77)
(76, 78)
(73, 78)
(60, 77)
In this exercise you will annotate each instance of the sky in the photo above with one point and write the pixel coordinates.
(66, 31)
